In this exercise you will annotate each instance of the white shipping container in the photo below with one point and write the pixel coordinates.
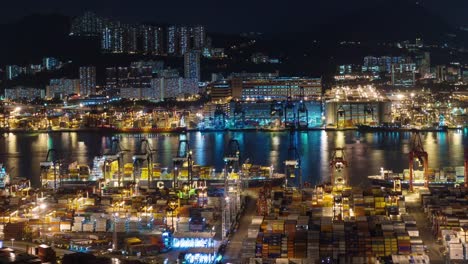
(257, 220)
(101, 229)
(79, 218)
(65, 226)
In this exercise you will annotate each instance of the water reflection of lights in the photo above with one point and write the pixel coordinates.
(340, 139)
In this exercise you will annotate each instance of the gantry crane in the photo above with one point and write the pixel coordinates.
(219, 117)
(302, 112)
(181, 160)
(293, 163)
(368, 110)
(289, 109)
(115, 153)
(52, 161)
(466, 167)
(231, 162)
(418, 153)
(276, 109)
(144, 154)
(239, 115)
(338, 173)
(232, 156)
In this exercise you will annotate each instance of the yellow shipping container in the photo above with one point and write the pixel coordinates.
(144, 173)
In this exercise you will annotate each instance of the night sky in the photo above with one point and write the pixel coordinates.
(223, 15)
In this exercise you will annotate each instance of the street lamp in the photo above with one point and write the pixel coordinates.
(43, 206)
(172, 207)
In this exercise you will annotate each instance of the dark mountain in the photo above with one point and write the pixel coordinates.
(36, 36)
(383, 21)
(388, 21)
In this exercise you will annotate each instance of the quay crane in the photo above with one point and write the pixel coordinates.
(293, 163)
(182, 159)
(276, 109)
(219, 117)
(418, 153)
(51, 161)
(144, 154)
(302, 112)
(466, 167)
(338, 165)
(115, 153)
(239, 115)
(232, 156)
(289, 122)
(231, 162)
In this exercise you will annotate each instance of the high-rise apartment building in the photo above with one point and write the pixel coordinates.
(192, 65)
(50, 63)
(13, 71)
(87, 80)
(61, 88)
(87, 25)
(184, 40)
(111, 77)
(198, 36)
(152, 41)
(22, 92)
(172, 43)
(148, 39)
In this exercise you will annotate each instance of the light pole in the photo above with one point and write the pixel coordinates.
(43, 207)
(114, 234)
(172, 206)
(12, 242)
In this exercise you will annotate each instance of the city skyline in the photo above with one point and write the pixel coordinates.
(219, 17)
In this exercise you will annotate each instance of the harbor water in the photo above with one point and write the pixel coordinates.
(366, 152)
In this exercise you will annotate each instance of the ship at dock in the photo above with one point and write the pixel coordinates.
(109, 171)
(419, 173)
(446, 176)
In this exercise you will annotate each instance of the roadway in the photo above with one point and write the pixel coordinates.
(234, 247)
(414, 208)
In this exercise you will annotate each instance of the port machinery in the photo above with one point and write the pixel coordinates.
(115, 153)
(293, 163)
(144, 154)
(239, 115)
(276, 111)
(466, 167)
(231, 166)
(417, 153)
(296, 115)
(338, 173)
(183, 159)
(53, 162)
(302, 112)
(219, 117)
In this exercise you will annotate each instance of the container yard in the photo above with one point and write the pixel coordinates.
(356, 226)
(222, 218)
(446, 210)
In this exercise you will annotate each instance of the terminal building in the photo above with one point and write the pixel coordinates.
(21, 92)
(276, 88)
(346, 107)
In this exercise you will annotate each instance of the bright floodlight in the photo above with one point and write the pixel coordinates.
(43, 206)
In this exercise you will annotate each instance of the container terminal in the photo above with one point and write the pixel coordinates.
(244, 214)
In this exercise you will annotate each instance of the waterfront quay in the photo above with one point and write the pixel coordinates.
(342, 107)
